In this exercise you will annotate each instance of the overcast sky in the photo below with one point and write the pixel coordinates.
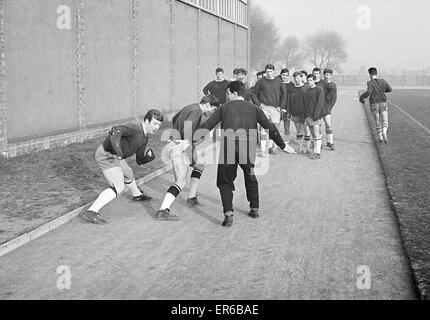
(398, 37)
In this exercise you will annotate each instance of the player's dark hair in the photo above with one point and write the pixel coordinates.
(316, 69)
(304, 72)
(373, 71)
(236, 71)
(242, 71)
(297, 74)
(219, 70)
(269, 67)
(285, 70)
(211, 99)
(238, 87)
(154, 114)
(259, 73)
(327, 70)
(309, 76)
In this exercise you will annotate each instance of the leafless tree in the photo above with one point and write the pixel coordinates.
(326, 49)
(264, 37)
(290, 52)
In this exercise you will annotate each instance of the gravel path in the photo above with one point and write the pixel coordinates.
(320, 221)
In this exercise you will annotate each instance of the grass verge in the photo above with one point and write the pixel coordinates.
(39, 187)
(406, 165)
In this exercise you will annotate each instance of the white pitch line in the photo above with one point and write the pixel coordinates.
(419, 124)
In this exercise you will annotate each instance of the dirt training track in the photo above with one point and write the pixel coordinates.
(321, 220)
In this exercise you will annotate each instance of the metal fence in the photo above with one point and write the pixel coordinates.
(394, 80)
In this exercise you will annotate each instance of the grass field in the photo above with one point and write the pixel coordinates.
(406, 163)
(42, 186)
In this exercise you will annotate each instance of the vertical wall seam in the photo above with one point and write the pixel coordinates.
(3, 97)
(199, 33)
(80, 64)
(172, 53)
(135, 56)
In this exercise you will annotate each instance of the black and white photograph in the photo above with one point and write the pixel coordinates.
(215, 155)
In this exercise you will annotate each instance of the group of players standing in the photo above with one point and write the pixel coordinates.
(241, 113)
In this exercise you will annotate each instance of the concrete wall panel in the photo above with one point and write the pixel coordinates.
(108, 60)
(40, 66)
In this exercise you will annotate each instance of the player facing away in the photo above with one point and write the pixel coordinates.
(239, 119)
(123, 142)
(185, 124)
(296, 108)
(376, 90)
(330, 101)
(314, 110)
(217, 87)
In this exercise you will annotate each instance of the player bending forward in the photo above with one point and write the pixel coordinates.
(185, 124)
(123, 142)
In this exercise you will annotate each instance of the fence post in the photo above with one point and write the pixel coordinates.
(3, 102)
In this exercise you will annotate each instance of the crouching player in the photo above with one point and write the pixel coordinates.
(185, 124)
(123, 142)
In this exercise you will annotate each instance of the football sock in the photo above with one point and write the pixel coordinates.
(170, 197)
(103, 199)
(317, 146)
(195, 179)
(132, 186)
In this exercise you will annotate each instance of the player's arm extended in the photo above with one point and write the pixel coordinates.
(208, 125)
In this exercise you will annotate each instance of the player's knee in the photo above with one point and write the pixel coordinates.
(181, 183)
(119, 187)
(329, 130)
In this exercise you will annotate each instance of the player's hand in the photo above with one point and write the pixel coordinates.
(150, 155)
(180, 146)
(289, 149)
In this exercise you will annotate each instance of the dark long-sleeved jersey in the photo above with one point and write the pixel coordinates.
(241, 118)
(288, 87)
(218, 89)
(314, 103)
(376, 89)
(331, 96)
(296, 102)
(187, 121)
(270, 92)
(127, 140)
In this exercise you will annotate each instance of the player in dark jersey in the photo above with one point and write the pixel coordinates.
(269, 94)
(286, 117)
(330, 101)
(185, 124)
(326, 112)
(295, 107)
(123, 142)
(218, 87)
(239, 121)
(314, 110)
(376, 90)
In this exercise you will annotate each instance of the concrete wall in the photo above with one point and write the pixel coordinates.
(39, 69)
(118, 59)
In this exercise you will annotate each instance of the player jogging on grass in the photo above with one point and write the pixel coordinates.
(376, 89)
